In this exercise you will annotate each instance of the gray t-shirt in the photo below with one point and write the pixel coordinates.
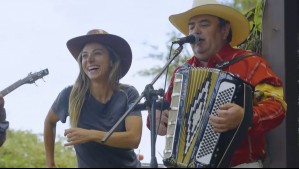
(99, 116)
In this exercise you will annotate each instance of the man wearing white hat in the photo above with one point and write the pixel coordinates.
(221, 28)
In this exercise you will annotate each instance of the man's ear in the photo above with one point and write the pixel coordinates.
(225, 30)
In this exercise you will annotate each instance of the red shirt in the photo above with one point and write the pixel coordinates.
(267, 114)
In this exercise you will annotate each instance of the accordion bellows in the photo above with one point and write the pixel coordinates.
(190, 139)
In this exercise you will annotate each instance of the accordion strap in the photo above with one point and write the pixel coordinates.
(237, 59)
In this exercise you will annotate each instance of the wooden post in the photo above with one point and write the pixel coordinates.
(280, 31)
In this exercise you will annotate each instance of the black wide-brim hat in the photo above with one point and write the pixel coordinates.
(118, 44)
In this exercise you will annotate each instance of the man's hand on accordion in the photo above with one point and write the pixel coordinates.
(161, 122)
(229, 117)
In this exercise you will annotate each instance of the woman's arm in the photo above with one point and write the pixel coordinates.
(49, 137)
(127, 139)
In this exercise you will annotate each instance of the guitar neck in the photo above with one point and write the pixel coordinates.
(11, 87)
(31, 78)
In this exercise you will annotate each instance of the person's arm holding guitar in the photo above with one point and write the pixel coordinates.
(31, 78)
(3, 123)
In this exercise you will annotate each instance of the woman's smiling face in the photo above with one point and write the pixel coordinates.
(96, 62)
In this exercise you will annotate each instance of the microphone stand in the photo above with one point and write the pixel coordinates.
(150, 95)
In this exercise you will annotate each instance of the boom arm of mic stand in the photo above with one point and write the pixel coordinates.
(109, 133)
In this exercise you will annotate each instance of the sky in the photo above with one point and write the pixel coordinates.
(33, 37)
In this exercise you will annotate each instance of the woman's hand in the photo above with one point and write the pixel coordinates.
(77, 136)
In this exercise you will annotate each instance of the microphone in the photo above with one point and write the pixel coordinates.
(193, 38)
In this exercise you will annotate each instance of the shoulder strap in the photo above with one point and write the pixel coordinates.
(237, 59)
(186, 65)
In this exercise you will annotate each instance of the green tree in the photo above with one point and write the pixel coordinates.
(255, 18)
(23, 149)
(244, 6)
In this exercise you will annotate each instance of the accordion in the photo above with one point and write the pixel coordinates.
(190, 139)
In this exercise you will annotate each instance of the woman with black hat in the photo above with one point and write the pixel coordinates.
(95, 103)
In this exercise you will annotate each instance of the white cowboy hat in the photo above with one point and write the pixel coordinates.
(239, 23)
(118, 44)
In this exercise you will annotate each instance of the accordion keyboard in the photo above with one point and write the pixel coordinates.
(210, 138)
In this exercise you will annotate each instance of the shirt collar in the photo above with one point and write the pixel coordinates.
(226, 53)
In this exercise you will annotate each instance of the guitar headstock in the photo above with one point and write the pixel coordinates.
(32, 77)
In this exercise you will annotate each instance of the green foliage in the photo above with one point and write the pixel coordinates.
(255, 16)
(24, 149)
(244, 6)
